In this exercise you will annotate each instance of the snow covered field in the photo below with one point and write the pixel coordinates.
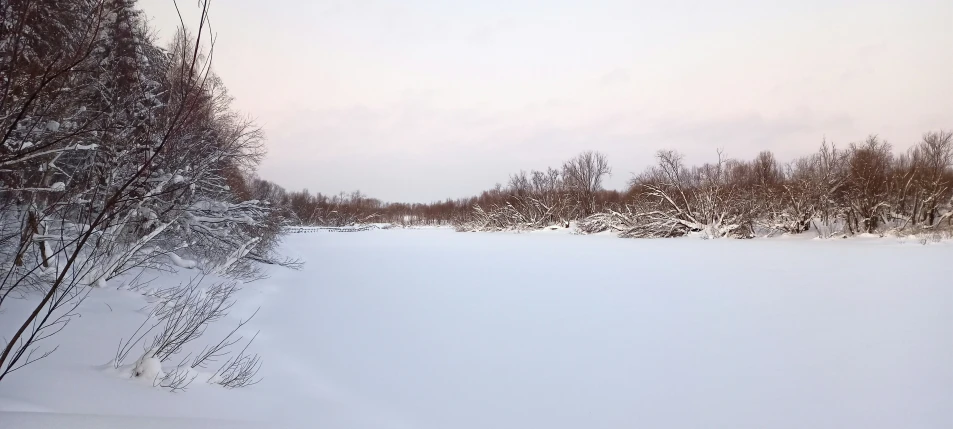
(437, 329)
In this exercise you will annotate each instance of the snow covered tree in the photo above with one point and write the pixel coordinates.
(116, 155)
(677, 200)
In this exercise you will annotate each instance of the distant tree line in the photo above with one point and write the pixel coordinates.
(862, 188)
(345, 209)
(572, 192)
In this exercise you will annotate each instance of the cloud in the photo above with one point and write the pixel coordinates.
(410, 152)
(618, 76)
(489, 31)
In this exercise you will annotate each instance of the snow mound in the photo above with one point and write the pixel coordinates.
(148, 367)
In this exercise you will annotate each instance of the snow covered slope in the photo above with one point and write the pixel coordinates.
(436, 329)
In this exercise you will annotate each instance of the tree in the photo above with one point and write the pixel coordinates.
(117, 155)
(866, 190)
(933, 160)
(583, 177)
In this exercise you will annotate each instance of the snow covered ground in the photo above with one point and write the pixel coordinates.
(437, 329)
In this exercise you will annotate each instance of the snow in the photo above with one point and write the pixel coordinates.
(215, 206)
(148, 367)
(429, 328)
(180, 262)
(33, 420)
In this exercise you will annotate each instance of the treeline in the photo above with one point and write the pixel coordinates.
(117, 154)
(538, 199)
(574, 191)
(345, 209)
(863, 188)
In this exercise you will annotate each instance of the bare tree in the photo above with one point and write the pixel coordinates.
(933, 159)
(583, 177)
(866, 190)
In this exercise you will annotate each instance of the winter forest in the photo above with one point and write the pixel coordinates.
(128, 180)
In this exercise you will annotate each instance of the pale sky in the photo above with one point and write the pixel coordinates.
(420, 100)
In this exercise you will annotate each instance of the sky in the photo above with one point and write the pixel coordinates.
(423, 100)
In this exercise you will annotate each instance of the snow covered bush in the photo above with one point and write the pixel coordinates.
(616, 221)
(677, 201)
